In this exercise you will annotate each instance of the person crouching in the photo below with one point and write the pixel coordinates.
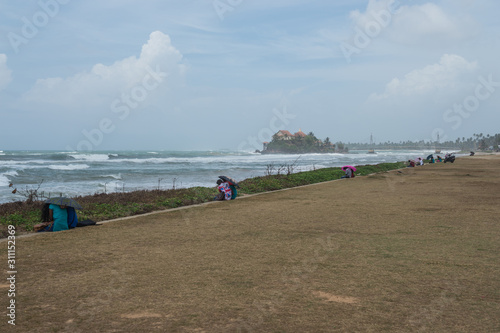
(225, 192)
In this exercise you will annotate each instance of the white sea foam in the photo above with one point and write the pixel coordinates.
(155, 160)
(69, 167)
(21, 163)
(4, 181)
(90, 157)
(311, 167)
(114, 186)
(243, 159)
(117, 177)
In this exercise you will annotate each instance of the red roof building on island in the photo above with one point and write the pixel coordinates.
(284, 142)
(284, 135)
(300, 134)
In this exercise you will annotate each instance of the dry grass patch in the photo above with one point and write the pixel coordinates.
(335, 298)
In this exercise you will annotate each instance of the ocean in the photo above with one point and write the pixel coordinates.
(84, 173)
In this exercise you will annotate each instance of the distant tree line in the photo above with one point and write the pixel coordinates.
(476, 142)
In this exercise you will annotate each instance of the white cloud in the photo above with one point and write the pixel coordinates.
(104, 83)
(373, 9)
(418, 24)
(5, 72)
(427, 22)
(446, 75)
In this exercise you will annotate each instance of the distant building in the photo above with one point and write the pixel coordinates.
(284, 135)
(284, 142)
(300, 134)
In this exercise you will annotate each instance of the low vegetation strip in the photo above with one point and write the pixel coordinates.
(101, 207)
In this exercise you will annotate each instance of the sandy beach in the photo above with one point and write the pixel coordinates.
(412, 250)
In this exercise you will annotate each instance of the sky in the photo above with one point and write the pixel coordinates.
(227, 74)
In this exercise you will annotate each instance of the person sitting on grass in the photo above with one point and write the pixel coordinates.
(225, 192)
(348, 173)
(54, 218)
(411, 163)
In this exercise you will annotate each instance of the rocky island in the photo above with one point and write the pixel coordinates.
(284, 142)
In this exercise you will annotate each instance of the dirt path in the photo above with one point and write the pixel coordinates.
(415, 250)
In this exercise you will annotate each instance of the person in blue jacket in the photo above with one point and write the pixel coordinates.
(58, 217)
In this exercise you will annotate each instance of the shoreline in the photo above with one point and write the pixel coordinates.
(175, 198)
(77, 174)
(240, 197)
(187, 205)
